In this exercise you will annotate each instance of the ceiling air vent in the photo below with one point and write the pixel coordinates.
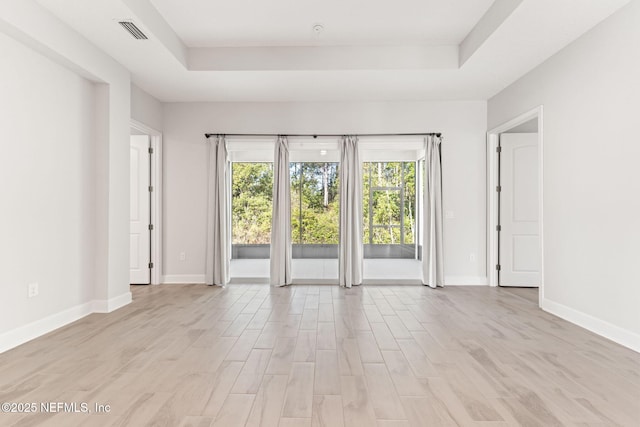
(133, 30)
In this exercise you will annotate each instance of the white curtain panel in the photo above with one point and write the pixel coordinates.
(432, 253)
(218, 249)
(281, 218)
(350, 253)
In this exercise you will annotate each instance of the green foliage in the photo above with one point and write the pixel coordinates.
(251, 202)
(392, 198)
(315, 202)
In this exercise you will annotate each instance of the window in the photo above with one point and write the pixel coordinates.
(389, 209)
(314, 209)
(313, 171)
(251, 209)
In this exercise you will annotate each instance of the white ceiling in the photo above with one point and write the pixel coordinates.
(205, 23)
(375, 50)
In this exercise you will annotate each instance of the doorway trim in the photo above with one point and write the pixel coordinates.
(155, 140)
(493, 136)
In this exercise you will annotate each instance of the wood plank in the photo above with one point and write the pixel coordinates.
(268, 402)
(397, 327)
(326, 338)
(327, 411)
(282, 356)
(305, 350)
(223, 382)
(298, 401)
(369, 350)
(384, 397)
(250, 377)
(243, 345)
(327, 374)
(384, 337)
(357, 406)
(198, 355)
(234, 411)
(401, 374)
(349, 360)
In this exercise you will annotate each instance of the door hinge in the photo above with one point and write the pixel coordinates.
(498, 267)
(498, 149)
(150, 227)
(150, 150)
(498, 228)
(150, 188)
(499, 188)
(150, 265)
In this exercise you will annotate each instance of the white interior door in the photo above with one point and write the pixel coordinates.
(519, 234)
(139, 234)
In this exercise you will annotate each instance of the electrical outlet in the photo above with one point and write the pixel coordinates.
(33, 290)
(449, 215)
(183, 256)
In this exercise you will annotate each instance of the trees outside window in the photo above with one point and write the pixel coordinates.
(389, 209)
(251, 209)
(314, 209)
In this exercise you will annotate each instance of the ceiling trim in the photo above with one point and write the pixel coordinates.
(510, 39)
(495, 16)
(149, 17)
(323, 58)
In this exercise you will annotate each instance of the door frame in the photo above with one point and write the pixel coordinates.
(155, 141)
(493, 136)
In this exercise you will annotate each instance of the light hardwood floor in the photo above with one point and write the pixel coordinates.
(192, 355)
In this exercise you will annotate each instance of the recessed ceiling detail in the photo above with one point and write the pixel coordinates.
(370, 50)
(233, 23)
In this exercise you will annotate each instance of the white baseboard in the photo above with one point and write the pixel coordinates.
(610, 331)
(249, 281)
(323, 282)
(30, 331)
(391, 282)
(22, 334)
(333, 282)
(183, 278)
(449, 281)
(466, 281)
(107, 306)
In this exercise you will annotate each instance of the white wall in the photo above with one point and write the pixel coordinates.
(145, 108)
(47, 217)
(530, 126)
(27, 22)
(591, 96)
(65, 111)
(463, 125)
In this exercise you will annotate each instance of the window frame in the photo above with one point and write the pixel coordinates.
(248, 250)
(392, 250)
(301, 250)
(253, 149)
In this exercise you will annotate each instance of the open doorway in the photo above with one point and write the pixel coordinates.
(514, 219)
(145, 227)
